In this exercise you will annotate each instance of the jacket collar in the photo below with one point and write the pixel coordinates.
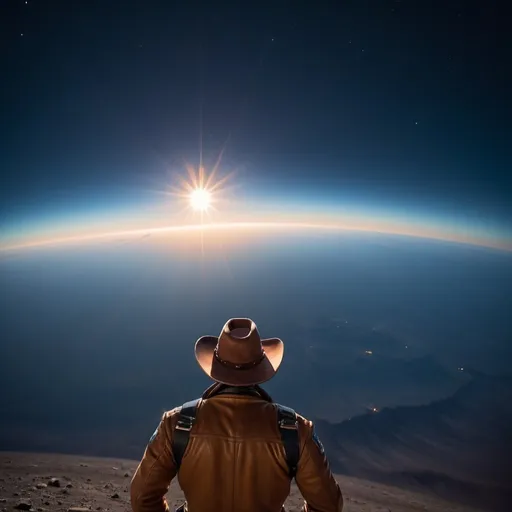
(223, 389)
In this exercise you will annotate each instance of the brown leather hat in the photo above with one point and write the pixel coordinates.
(238, 357)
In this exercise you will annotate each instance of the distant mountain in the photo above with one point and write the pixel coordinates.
(351, 366)
(464, 440)
(341, 388)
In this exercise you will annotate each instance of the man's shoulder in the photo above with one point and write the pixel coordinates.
(303, 423)
(172, 412)
(170, 417)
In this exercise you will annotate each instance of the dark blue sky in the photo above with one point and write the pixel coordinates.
(392, 100)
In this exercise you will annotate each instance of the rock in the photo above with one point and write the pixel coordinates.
(89, 480)
(69, 486)
(2, 500)
(115, 496)
(79, 509)
(64, 491)
(47, 503)
(23, 505)
(41, 486)
(15, 493)
(54, 482)
(59, 502)
(127, 475)
(84, 465)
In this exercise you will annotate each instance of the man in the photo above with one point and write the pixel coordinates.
(234, 449)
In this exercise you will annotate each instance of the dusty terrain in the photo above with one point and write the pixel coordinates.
(103, 485)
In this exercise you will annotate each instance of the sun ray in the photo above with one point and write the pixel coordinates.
(221, 182)
(192, 175)
(215, 168)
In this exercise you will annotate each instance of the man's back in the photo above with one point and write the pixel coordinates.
(235, 461)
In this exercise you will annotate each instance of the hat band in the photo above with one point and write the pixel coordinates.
(241, 366)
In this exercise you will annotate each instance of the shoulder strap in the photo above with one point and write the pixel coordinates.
(186, 418)
(288, 427)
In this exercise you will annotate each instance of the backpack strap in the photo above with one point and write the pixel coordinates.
(289, 429)
(186, 418)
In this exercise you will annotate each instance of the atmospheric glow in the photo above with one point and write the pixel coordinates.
(202, 204)
(266, 226)
(200, 199)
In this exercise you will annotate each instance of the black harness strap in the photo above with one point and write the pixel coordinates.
(287, 422)
(186, 418)
(288, 426)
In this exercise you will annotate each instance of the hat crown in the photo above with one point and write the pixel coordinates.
(239, 357)
(239, 342)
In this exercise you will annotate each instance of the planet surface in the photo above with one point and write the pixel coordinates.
(78, 484)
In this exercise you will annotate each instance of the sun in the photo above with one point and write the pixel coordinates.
(200, 199)
(203, 191)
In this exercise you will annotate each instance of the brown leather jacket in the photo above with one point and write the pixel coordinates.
(235, 461)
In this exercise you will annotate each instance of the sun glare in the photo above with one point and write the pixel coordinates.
(200, 199)
(203, 191)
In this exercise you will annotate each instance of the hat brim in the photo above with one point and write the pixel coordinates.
(204, 351)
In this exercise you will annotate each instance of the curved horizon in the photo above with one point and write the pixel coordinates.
(422, 232)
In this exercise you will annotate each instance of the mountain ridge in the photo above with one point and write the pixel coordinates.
(460, 442)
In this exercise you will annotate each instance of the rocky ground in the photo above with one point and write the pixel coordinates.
(46, 482)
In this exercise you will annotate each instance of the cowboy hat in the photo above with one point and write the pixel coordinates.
(239, 357)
